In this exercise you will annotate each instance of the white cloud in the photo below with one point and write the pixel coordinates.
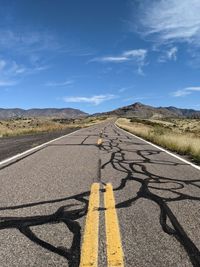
(170, 54)
(194, 88)
(116, 59)
(28, 46)
(95, 100)
(40, 68)
(59, 84)
(172, 20)
(182, 92)
(186, 91)
(27, 42)
(2, 64)
(15, 68)
(137, 55)
(6, 83)
(140, 98)
(9, 72)
(122, 90)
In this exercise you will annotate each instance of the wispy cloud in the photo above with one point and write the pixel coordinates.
(34, 45)
(123, 89)
(186, 91)
(36, 69)
(137, 55)
(59, 84)
(95, 100)
(25, 46)
(141, 98)
(172, 20)
(170, 54)
(6, 83)
(115, 59)
(8, 67)
(2, 64)
(11, 70)
(24, 41)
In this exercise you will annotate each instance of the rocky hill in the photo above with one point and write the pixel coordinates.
(144, 111)
(46, 112)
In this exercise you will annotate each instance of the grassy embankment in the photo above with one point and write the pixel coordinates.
(178, 135)
(22, 126)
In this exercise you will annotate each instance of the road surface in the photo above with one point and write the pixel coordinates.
(99, 196)
(10, 146)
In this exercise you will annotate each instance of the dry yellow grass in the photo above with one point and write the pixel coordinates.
(23, 126)
(183, 143)
(15, 127)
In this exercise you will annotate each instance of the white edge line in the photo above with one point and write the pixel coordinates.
(162, 149)
(34, 149)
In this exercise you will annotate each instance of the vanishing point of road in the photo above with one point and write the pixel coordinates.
(99, 197)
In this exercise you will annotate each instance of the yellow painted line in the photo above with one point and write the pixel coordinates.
(114, 246)
(99, 141)
(89, 252)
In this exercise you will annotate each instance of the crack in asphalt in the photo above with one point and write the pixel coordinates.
(68, 217)
(132, 171)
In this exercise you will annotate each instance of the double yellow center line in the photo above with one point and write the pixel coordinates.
(114, 247)
(89, 253)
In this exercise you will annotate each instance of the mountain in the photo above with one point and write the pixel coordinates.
(144, 111)
(135, 110)
(185, 112)
(45, 112)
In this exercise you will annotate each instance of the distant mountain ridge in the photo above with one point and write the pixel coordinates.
(135, 110)
(67, 113)
(145, 111)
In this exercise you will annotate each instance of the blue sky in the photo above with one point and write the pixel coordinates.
(97, 55)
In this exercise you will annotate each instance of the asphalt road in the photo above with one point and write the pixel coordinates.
(44, 202)
(10, 146)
